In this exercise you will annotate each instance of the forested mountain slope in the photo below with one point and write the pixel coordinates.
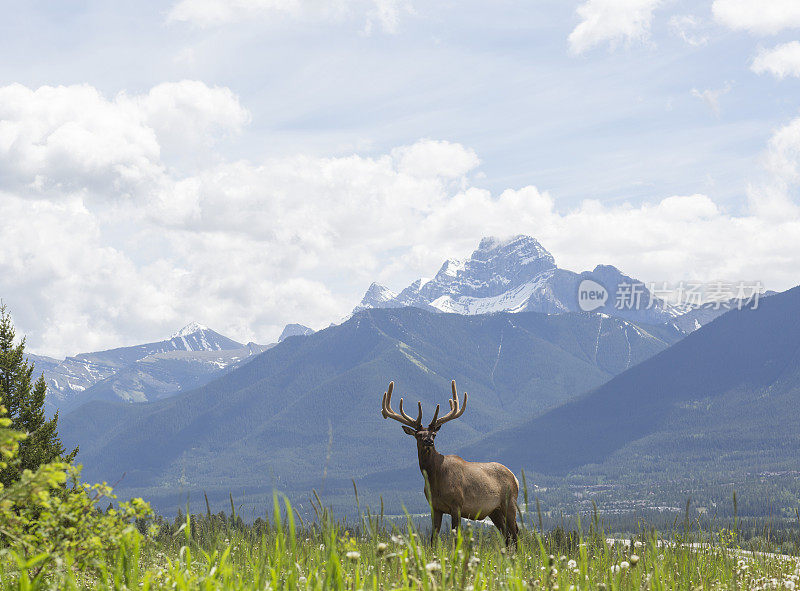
(309, 408)
(724, 399)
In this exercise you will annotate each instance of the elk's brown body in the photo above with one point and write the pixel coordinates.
(474, 490)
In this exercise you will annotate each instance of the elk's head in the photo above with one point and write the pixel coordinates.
(423, 435)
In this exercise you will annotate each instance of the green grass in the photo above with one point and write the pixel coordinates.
(282, 552)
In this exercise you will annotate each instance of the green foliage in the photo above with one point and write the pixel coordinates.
(221, 552)
(24, 403)
(39, 515)
(48, 517)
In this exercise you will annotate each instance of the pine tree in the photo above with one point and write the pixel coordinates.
(24, 403)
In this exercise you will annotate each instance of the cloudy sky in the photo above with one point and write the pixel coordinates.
(248, 163)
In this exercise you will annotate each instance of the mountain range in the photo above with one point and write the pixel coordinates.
(306, 412)
(567, 396)
(191, 357)
(520, 275)
(512, 275)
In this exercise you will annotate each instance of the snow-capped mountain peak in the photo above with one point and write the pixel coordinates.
(377, 296)
(190, 328)
(513, 274)
(520, 249)
(197, 337)
(192, 344)
(292, 330)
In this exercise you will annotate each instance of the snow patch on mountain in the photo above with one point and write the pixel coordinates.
(377, 296)
(513, 300)
(189, 329)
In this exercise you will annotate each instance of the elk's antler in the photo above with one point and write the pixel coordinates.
(456, 410)
(388, 413)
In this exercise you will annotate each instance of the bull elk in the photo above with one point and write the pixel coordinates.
(473, 490)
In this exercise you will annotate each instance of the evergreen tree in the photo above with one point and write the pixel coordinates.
(24, 403)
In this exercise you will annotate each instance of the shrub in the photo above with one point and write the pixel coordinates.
(49, 517)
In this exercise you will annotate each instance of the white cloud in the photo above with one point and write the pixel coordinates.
(774, 196)
(55, 140)
(689, 28)
(66, 138)
(386, 14)
(780, 61)
(680, 237)
(612, 21)
(187, 113)
(711, 96)
(765, 17)
(64, 284)
(430, 158)
(247, 246)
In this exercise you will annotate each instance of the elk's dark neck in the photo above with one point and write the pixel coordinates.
(429, 460)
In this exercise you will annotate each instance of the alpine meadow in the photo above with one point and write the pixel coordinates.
(387, 294)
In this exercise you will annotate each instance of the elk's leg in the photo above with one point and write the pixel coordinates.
(511, 524)
(498, 517)
(455, 521)
(437, 524)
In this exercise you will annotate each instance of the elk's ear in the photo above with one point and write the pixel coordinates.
(409, 430)
(436, 428)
